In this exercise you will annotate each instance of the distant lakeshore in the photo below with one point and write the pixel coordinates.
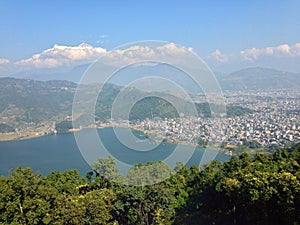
(15, 136)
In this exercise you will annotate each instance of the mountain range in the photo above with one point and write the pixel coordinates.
(255, 78)
(258, 78)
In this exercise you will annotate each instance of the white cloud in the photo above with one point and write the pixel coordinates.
(218, 56)
(172, 49)
(283, 50)
(140, 53)
(131, 53)
(128, 55)
(4, 61)
(61, 55)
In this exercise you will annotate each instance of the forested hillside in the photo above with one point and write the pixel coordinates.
(245, 190)
(28, 101)
(29, 104)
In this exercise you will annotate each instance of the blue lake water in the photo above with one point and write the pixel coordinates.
(60, 152)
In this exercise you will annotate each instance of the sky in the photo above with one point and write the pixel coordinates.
(228, 35)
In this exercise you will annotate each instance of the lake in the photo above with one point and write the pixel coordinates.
(60, 152)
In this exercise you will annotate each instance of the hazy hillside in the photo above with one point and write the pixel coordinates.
(32, 101)
(259, 79)
(68, 73)
(25, 103)
(255, 78)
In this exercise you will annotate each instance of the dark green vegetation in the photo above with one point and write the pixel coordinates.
(245, 190)
(159, 108)
(151, 107)
(63, 126)
(29, 103)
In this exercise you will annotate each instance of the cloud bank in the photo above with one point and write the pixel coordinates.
(282, 57)
(70, 56)
(59, 55)
(284, 50)
(63, 56)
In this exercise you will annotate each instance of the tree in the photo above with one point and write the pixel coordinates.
(106, 168)
(98, 206)
(25, 198)
(69, 210)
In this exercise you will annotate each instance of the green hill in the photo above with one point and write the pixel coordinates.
(29, 103)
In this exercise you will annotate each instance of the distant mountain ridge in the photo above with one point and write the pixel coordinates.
(69, 74)
(258, 78)
(254, 78)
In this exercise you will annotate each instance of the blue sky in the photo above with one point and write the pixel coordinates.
(29, 27)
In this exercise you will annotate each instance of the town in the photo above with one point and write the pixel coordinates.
(274, 123)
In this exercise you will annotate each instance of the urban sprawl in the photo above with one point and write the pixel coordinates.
(273, 123)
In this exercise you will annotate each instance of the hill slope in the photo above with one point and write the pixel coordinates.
(259, 79)
(29, 103)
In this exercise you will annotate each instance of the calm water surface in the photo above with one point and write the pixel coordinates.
(60, 152)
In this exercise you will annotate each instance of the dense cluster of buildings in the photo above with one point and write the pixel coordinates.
(275, 122)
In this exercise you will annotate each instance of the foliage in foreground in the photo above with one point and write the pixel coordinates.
(245, 190)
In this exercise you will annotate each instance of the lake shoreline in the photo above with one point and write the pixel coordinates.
(16, 136)
(8, 137)
(60, 152)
